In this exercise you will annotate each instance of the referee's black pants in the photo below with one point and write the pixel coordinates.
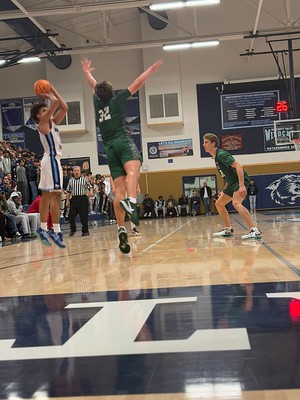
(79, 205)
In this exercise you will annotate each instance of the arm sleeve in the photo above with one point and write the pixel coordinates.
(69, 187)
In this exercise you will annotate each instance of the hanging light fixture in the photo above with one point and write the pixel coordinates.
(171, 5)
(194, 45)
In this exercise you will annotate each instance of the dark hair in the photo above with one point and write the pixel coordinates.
(35, 109)
(104, 91)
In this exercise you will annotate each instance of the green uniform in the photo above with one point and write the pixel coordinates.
(118, 143)
(223, 161)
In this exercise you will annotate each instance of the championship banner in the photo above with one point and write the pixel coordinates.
(232, 141)
(15, 138)
(12, 114)
(170, 148)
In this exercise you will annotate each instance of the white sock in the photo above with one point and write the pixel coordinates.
(132, 226)
(132, 199)
(56, 228)
(44, 226)
(121, 227)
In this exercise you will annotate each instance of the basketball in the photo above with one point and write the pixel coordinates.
(42, 86)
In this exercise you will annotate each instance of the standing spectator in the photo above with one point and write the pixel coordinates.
(64, 210)
(205, 194)
(22, 184)
(160, 207)
(148, 206)
(6, 162)
(252, 192)
(79, 190)
(1, 162)
(32, 175)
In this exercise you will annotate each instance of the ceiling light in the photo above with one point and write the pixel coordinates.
(28, 60)
(167, 6)
(195, 3)
(207, 43)
(177, 46)
(2, 62)
(180, 4)
(182, 46)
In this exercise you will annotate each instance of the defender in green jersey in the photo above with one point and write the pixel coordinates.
(235, 190)
(123, 157)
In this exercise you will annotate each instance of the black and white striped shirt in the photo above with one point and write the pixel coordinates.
(78, 186)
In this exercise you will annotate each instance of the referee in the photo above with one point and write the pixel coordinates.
(78, 190)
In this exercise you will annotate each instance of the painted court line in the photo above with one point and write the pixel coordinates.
(287, 263)
(165, 237)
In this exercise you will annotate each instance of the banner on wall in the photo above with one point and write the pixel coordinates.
(245, 110)
(15, 138)
(83, 162)
(232, 141)
(133, 125)
(17, 126)
(279, 141)
(170, 148)
(12, 114)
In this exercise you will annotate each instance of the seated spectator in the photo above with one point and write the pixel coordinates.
(148, 206)
(28, 222)
(7, 187)
(35, 208)
(195, 203)
(7, 226)
(183, 205)
(171, 210)
(160, 207)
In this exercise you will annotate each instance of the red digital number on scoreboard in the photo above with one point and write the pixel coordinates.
(281, 106)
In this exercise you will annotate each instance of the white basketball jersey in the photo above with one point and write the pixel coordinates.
(51, 142)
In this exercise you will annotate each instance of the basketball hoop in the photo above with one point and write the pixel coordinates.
(296, 144)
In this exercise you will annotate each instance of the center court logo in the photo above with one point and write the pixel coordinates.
(113, 331)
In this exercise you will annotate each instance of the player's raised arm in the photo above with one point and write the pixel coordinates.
(140, 80)
(61, 113)
(87, 69)
(49, 111)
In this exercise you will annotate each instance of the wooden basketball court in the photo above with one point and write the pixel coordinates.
(174, 258)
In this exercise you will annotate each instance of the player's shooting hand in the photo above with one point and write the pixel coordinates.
(49, 96)
(86, 65)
